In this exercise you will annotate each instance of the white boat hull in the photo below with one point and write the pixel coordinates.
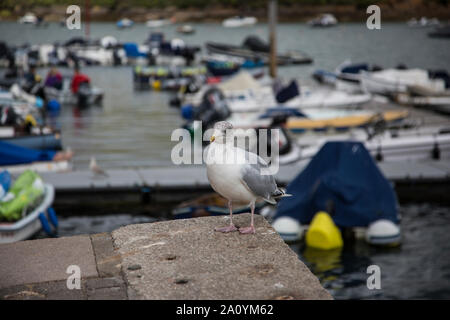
(30, 224)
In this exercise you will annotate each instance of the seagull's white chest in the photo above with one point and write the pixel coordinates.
(225, 177)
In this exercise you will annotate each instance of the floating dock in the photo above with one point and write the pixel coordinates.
(194, 177)
(159, 190)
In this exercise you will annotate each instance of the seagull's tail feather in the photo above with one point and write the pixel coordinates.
(277, 195)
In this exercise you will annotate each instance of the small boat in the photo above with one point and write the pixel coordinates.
(166, 78)
(16, 159)
(323, 20)
(124, 23)
(174, 52)
(245, 94)
(253, 48)
(424, 97)
(35, 216)
(157, 23)
(244, 63)
(222, 68)
(346, 77)
(39, 166)
(341, 120)
(307, 98)
(36, 141)
(324, 77)
(186, 29)
(440, 32)
(389, 145)
(87, 95)
(423, 22)
(440, 104)
(239, 21)
(341, 188)
(393, 81)
(29, 18)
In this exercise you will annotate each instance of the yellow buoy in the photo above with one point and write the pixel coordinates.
(30, 119)
(156, 85)
(323, 233)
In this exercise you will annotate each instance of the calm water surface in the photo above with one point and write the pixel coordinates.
(133, 129)
(418, 269)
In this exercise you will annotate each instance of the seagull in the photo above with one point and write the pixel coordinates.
(96, 169)
(236, 174)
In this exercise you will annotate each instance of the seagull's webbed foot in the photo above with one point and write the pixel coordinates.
(230, 228)
(247, 230)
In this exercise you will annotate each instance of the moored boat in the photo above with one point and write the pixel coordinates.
(393, 81)
(254, 48)
(336, 192)
(186, 29)
(239, 21)
(440, 32)
(27, 209)
(323, 20)
(29, 18)
(157, 23)
(124, 23)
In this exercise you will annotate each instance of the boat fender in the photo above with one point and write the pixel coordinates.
(187, 112)
(53, 105)
(323, 233)
(383, 232)
(52, 217)
(45, 224)
(5, 182)
(156, 85)
(146, 195)
(288, 228)
(379, 155)
(39, 103)
(436, 153)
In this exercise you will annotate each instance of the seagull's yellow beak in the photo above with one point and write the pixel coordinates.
(212, 138)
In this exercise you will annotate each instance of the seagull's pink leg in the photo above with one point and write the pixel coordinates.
(231, 227)
(250, 229)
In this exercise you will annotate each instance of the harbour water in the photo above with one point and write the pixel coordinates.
(132, 129)
(418, 269)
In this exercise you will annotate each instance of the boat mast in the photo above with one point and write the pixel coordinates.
(86, 29)
(273, 38)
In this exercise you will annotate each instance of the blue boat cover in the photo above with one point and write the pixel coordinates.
(288, 92)
(346, 174)
(356, 68)
(132, 50)
(5, 182)
(11, 154)
(281, 112)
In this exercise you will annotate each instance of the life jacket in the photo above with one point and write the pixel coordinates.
(77, 80)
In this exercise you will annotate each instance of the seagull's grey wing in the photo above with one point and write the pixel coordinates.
(261, 185)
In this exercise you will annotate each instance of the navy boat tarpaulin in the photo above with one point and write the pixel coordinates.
(10, 154)
(345, 174)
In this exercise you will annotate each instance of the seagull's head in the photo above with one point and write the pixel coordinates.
(220, 131)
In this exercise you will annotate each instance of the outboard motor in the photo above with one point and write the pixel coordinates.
(212, 109)
(83, 94)
(255, 43)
